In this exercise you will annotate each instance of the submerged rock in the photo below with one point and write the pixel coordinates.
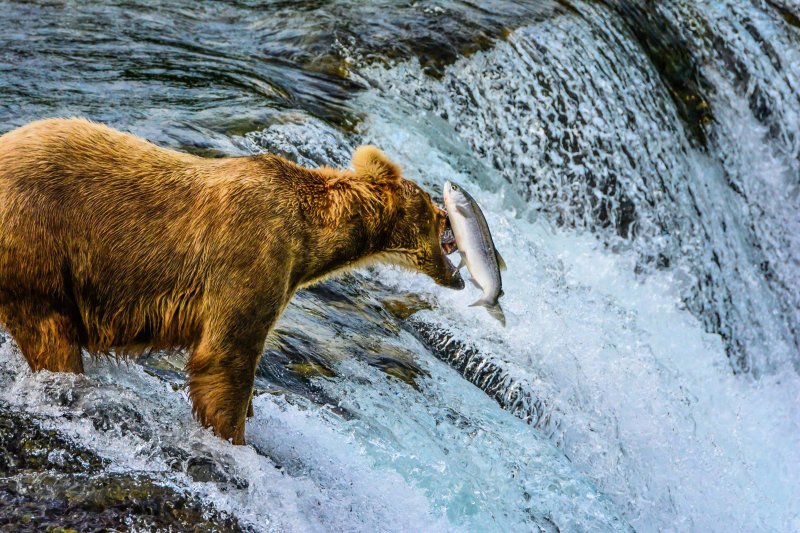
(310, 369)
(514, 395)
(54, 501)
(48, 483)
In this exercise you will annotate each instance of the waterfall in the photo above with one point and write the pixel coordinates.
(572, 113)
(639, 166)
(568, 123)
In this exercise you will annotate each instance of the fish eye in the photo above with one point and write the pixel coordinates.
(454, 186)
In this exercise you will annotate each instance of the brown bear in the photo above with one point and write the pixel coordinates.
(115, 245)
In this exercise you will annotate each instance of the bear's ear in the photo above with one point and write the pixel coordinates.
(370, 162)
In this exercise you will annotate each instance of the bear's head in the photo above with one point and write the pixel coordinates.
(410, 225)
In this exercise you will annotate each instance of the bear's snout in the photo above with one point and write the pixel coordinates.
(455, 281)
(447, 274)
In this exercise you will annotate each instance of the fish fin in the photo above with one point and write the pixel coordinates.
(477, 285)
(500, 261)
(494, 309)
(463, 262)
(502, 293)
(497, 312)
(463, 211)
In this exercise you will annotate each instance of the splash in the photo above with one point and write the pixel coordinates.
(570, 111)
(607, 363)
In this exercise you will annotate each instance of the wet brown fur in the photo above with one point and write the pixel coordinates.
(114, 245)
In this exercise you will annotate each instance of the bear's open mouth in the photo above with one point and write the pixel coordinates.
(448, 240)
(448, 276)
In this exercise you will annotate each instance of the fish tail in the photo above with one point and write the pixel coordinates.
(494, 309)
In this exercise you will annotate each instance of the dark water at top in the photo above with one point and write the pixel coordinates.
(191, 74)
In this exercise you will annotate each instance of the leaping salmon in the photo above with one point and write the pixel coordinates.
(474, 242)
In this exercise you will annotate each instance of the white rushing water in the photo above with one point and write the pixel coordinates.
(646, 425)
(441, 458)
(571, 112)
(641, 398)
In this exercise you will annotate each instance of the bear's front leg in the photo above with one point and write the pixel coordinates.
(221, 375)
(45, 333)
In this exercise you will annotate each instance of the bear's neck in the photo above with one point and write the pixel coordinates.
(352, 237)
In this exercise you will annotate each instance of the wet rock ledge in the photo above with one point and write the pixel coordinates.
(50, 484)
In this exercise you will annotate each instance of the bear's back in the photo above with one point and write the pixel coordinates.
(57, 154)
(63, 181)
(110, 221)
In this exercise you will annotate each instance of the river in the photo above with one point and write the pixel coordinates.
(639, 165)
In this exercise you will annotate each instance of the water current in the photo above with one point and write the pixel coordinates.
(639, 165)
